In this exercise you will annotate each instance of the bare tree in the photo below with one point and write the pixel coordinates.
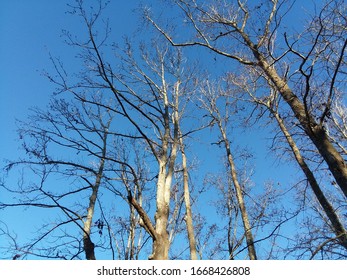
(209, 100)
(271, 103)
(249, 34)
(187, 202)
(48, 140)
(148, 88)
(148, 93)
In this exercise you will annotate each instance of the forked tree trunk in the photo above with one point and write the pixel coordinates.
(166, 159)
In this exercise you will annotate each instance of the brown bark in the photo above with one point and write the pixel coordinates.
(146, 222)
(161, 247)
(314, 131)
(89, 248)
(338, 228)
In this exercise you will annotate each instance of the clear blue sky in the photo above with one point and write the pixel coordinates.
(30, 30)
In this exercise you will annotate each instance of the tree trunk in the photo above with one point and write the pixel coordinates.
(336, 224)
(88, 248)
(129, 252)
(88, 244)
(189, 216)
(315, 131)
(161, 247)
(161, 242)
(166, 161)
(239, 196)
